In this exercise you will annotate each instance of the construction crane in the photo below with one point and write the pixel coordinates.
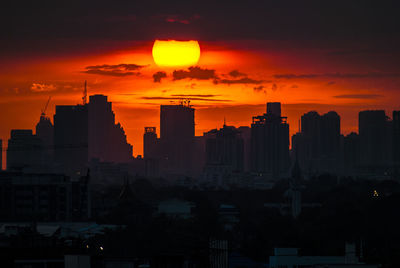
(43, 114)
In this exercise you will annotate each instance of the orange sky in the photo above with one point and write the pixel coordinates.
(301, 79)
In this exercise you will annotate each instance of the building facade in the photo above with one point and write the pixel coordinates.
(270, 142)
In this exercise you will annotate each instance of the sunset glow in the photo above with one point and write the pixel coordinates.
(176, 53)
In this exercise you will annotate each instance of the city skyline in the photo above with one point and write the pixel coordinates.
(307, 60)
(220, 134)
(198, 133)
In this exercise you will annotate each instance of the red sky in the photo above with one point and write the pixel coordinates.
(302, 79)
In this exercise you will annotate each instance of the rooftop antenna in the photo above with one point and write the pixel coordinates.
(224, 122)
(84, 97)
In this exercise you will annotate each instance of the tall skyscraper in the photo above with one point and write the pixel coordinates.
(396, 138)
(330, 136)
(245, 133)
(351, 152)
(85, 132)
(318, 144)
(24, 150)
(176, 122)
(311, 130)
(373, 131)
(45, 132)
(270, 143)
(149, 142)
(177, 138)
(71, 138)
(274, 108)
(107, 140)
(225, 147)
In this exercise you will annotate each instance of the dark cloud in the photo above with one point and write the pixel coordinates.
(294, 86)
(236, 73)
(158, 76)
(244, 80)
(337, 75)
(259, 88)
(118, 70)
(330, 83)
(358, 96)
(195, 95)
(194, 72)
(191, 98)
(274, 87)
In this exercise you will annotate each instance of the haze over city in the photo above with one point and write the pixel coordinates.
(221, 134)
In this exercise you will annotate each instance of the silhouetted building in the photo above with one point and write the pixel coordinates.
(294, 191)
(151, 152)
(150, 142)
(1, 154)
(245, 133)
(396, 138)
(274, 108)
(107, 140)
(177, 138)
(373, 129)
(71, 138)
(351, 152)
(318, 143)
(225, 147)
(45, 132)
(24, 150)
(330, 136)
(44, 197)
(270, 143)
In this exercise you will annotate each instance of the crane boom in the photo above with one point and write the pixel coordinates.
(45, 107)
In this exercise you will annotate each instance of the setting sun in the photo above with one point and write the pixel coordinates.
(176, 53)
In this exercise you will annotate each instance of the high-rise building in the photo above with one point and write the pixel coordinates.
(1, 154)
(225, 147)
(274, 108)
(311, 130)
(245, 133)
(176, 122)
(373, 131)
(71, 138)
(24, 150)
(330, 136)
(45, 132)
(318, 143)
(396, 138)
(106, 139)
(149, 142)
(351, 152)
(151, 152)
(270, 143)
(85, 132)
(177, 138)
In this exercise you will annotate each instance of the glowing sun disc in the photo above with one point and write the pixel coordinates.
(176, 53)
